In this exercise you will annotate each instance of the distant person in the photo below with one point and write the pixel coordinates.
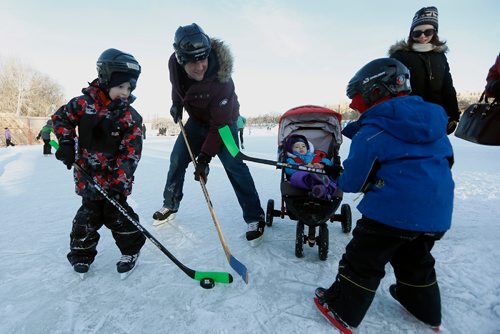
(400, 158)
(493, 80)
(109, 149)
(8, 138)
(200, 73)
(299, 153)
(143, 131)
(240, 124)
(424, 55)
(45, 135)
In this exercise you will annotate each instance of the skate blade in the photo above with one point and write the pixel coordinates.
(127, 274)
(82, 276)
(157, 222)
(325, 313)
(256, 242)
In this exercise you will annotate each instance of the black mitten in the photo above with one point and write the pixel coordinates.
(452, 125)
(202, 168)
(66, 153)
(333, 171)
(176, 112)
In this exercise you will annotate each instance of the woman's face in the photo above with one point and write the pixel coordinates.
(423, 33)
(196, 70)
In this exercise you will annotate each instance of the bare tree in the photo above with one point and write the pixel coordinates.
(27, 92)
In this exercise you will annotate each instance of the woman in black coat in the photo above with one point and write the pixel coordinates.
(424, 55)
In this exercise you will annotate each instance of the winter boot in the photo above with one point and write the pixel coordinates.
(393, 290)
(255, 233)
(127, 264)
(330, 315)
(163, 215)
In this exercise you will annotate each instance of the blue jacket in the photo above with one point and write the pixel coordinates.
(400, 157)
(306, 158)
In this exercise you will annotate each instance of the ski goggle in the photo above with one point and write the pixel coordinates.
(426, 32)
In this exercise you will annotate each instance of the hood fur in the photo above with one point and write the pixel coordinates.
(402, 45)
(225, 59)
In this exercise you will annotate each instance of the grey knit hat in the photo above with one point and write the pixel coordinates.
(426, 15)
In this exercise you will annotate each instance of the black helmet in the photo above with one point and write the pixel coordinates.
(191, 44)
(380, 78)
(113, 60)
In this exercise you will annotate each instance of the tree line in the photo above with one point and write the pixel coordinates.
(25, 91)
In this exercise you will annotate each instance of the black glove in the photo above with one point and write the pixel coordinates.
(333, 171)
(452, 125)
(66, 153)
(38, 137)
(176, 112)
(202, 168)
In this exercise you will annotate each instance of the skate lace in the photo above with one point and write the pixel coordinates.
(163, 210)
(127, 258)
(253, 226)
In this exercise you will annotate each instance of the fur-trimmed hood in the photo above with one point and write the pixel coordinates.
(402, 45)
(224, 58)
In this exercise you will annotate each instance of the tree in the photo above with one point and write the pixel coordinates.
(27, 92)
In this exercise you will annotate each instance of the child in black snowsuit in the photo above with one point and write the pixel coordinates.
(109, 149)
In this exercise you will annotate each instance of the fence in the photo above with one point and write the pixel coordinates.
(23, 129)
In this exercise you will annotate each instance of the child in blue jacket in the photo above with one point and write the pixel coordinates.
(400, 158)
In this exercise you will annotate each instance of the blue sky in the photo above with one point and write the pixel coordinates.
(287, 53)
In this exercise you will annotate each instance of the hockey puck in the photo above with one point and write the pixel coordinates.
(207, 283)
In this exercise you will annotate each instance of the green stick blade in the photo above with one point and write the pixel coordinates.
(228, 139)
(219, 277)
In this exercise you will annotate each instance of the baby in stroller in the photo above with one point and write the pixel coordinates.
(309, 140)
(300, 152)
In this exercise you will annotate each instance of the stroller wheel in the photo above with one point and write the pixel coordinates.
(323, 242)
(299, 240)
(345, 212)
(269, 212)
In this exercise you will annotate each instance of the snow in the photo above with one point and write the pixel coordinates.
(40, 293)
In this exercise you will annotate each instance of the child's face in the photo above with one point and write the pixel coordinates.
(300, 147)
(122, 91)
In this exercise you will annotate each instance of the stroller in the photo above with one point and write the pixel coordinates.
(322, 128)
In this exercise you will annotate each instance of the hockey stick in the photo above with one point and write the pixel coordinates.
(227, 138)
(220, 277)
(233, 262)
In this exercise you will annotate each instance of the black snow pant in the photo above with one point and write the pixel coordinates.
(90, 218)
(362, 267)
(240, 131)
(47, 149)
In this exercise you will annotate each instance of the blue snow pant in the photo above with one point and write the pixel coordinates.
(91, 216)
(362, 267)
(237, 172)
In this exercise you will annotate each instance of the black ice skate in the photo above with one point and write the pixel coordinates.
(255, 233)
(81, 269)
(126, 265)
(163, 215)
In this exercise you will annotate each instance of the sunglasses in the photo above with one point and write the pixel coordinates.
(426, 32)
